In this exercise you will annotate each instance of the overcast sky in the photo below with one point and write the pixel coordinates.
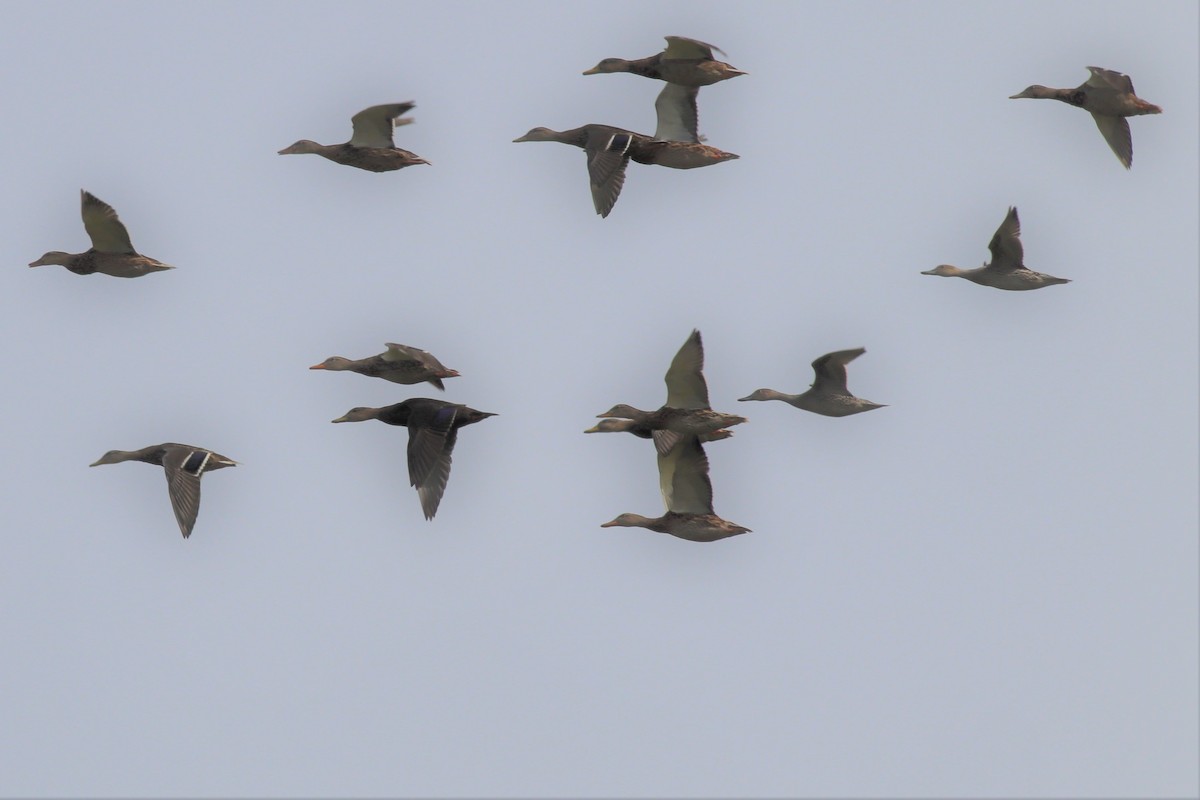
(988, 588)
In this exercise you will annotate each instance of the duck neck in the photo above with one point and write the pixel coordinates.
(150, 455)
(1073, 97)
(646, 67)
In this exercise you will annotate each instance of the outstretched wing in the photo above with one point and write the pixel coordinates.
(1007, 252)
(607, 158)
(183, 469)
(686, 387)
(683, 47)
(431, 438)
(683, 478)
(1102, 78)
(678, 120)
(373, 126)
(105, 229)
(1115, 131)
(830, 370)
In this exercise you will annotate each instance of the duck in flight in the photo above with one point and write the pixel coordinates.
(111, 253)
(398, 364)
(828, 395)
(687, 494)
(687, 410)
(371, 147)
(676, 144)
(686, 62)
(1109, 97)
(184, 465)
(1007, 269)
(432, 433)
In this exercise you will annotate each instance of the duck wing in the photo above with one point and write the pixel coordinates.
(402, 352)
(183, 467)
(686, 387)
(373, 126)
(1008, 253)
(103, 226)
(1115, 131)
(431, 439)
(608, 155)
(678, 119)
(683, 47)
(665, 441)
(1102, 78)
(683, 478)
(424, 360)
(830, 370)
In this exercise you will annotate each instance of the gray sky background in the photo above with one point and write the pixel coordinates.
(988, 588)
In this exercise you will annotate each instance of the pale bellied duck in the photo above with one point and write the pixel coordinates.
(1007, 269)
(828, 395)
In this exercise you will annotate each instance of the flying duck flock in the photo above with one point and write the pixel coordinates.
(686, 422)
